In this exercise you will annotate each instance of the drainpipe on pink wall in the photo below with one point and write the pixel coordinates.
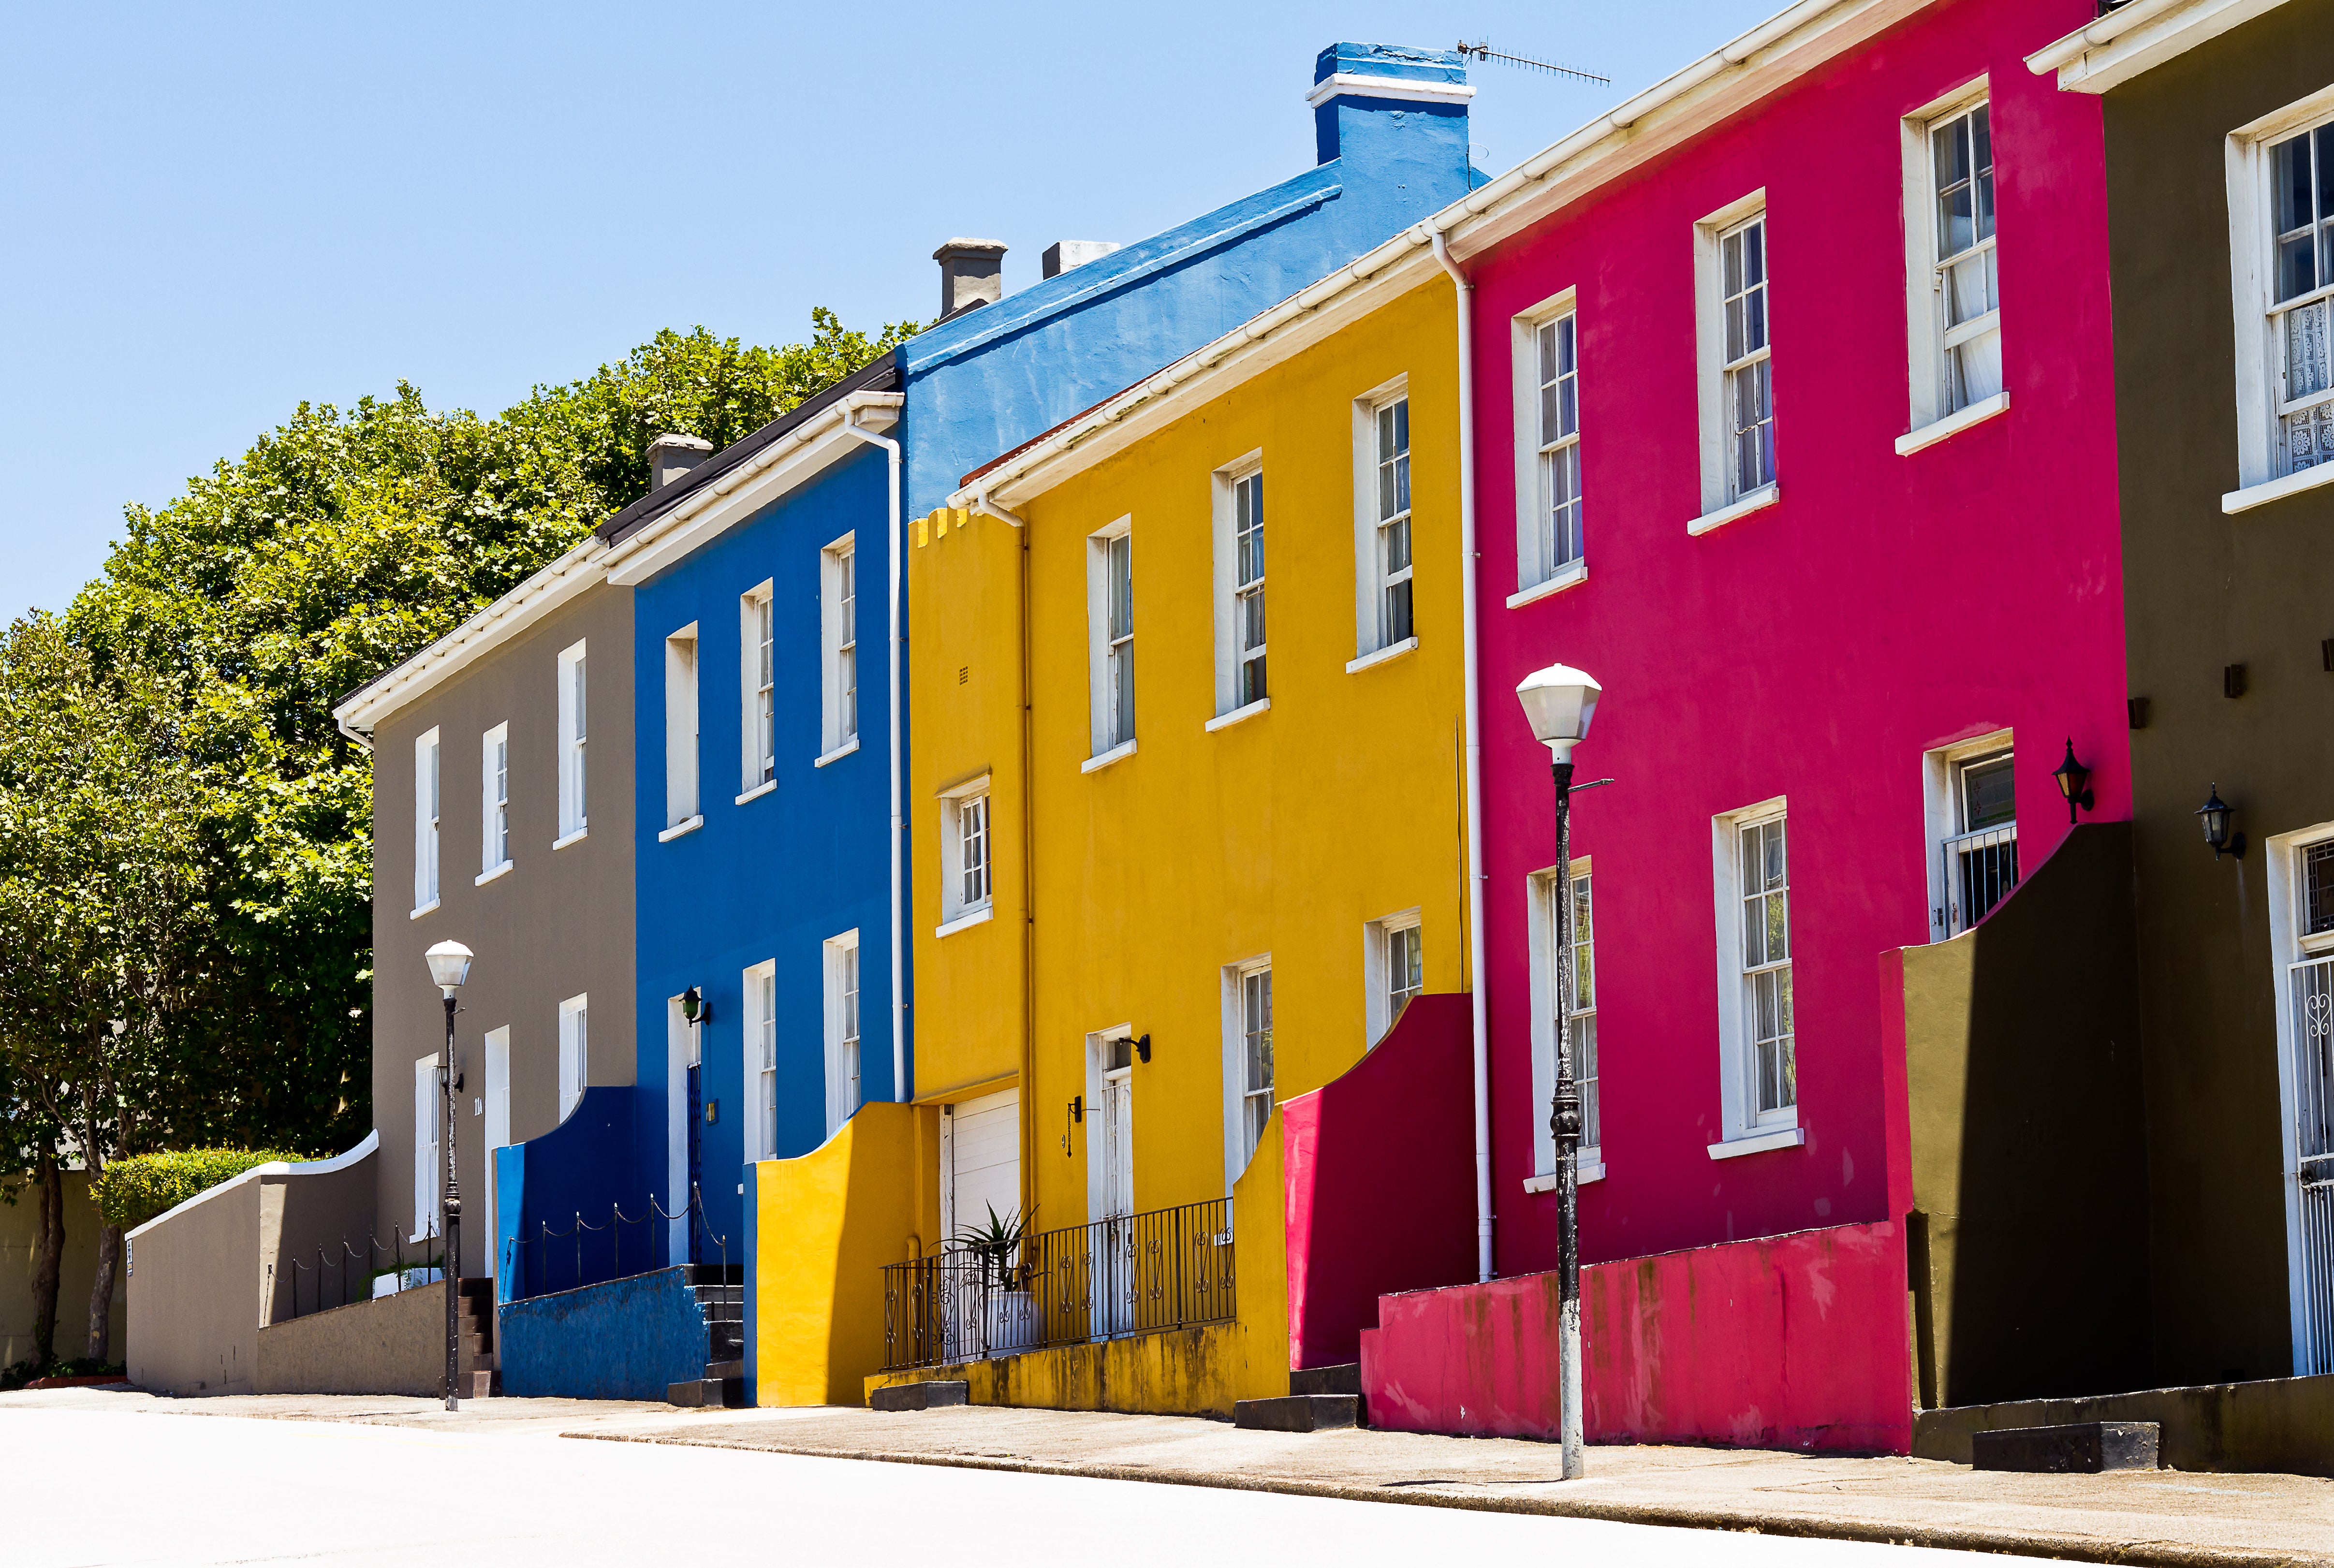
(1474, 739)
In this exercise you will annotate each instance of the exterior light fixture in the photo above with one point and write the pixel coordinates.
(1142, 1050)
(2215, 816)
(1559, 701)
(694, 1008)
(2074, 783)
(449, 966)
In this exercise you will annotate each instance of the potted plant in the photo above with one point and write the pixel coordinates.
(1008, 1308)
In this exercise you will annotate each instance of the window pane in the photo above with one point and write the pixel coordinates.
(1252, 621)
(1583, 949)
(1584, 1072)
(2289, 184)
(1754, 253)
(1566, 346)
(1553, 426)
(1729, 252)
(1551, 353)
(1399, 627)
(2297, 266)
(1398, 546)
(1989, 795)
(1737, 339)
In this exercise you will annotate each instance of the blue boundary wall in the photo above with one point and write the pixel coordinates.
(585, 1166)
(627, 1339)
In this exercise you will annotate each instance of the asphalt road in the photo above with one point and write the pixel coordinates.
(89, 1486)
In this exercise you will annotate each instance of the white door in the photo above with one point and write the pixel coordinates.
(1116, 1145)
(497, 1131)
(1116, 1283)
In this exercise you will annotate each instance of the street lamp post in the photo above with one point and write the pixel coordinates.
(1559, 701)
(449, 966)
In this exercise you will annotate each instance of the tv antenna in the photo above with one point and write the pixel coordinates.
(1484, 52)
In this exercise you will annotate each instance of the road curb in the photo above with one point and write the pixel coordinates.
(2065, 1548)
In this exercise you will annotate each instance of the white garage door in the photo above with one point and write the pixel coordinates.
(981, 1167)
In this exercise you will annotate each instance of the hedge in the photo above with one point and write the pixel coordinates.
(133, 1190)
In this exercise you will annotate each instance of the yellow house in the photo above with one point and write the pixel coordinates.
(1187, 804)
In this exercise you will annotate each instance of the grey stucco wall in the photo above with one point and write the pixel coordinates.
(396, 1345)
(558, 925)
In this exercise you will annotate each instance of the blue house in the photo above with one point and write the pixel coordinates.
(773, 998)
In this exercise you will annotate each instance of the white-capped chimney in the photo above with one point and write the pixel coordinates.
(670, 456)
(972, 273)
(1064, 253)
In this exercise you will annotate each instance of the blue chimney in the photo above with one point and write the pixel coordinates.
(1364, 93)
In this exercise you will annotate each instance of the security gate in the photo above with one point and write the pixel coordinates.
(2313, 1173)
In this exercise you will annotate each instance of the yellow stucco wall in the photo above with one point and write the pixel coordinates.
(825, 1225)
(1282, 834)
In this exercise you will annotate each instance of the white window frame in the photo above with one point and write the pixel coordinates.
(2288, 946)
(1746, 1130)
(574, 728)
(1240, 1140)
(2262, 472)
(1941, 811)
(958, 906)
(1377, 959)
(429, 1154)
(758, 697)
(846, 1018)
(1538, 568)
(1238, 481)
(496, 1113)
(758, 1061)
(428, 805)
(494, 803)
(682, 808)
(574, 1053)
(838, 647)
(1114, 732)
(1723, 499)
(1932, 414)
(1540, 896)
(1373, 627)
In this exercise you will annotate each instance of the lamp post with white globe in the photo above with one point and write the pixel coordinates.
(1559, 701)
(449, 966)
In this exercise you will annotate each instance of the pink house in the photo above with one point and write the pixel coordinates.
(1813, 466)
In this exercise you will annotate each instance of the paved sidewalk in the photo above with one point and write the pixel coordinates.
(2163, 1516)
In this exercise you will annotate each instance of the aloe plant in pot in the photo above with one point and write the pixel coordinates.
(1008, 1308)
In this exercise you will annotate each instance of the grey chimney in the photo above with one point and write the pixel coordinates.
(972, 273)
(1064, 253)
(670, 456)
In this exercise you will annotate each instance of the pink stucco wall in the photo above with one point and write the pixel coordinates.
(1379, 1168)
(1815, 650)
(1796, 1341)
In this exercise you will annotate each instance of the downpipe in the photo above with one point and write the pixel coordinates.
(899, 822)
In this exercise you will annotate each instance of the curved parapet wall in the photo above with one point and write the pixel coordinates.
(583, 1167)
(1380, 1180)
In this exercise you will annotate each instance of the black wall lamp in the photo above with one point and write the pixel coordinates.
(2074, 783)
(694, 1007)
(2214, 814)
(1142, 1050)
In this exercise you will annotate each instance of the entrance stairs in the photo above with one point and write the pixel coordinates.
(1319, 1399)
(480, 1375)
(721, 1297)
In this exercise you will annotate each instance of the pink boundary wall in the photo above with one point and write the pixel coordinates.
(1790, 1342)
(1380, 1180)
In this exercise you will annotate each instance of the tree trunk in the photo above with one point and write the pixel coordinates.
(48, 1256)
(101, 1294)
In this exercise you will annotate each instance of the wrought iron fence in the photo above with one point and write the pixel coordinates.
(1139, 1273)
(1981, 869)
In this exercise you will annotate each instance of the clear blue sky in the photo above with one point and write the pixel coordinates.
(216, 211)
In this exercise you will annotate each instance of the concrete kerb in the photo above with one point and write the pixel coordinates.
(2065, 1548)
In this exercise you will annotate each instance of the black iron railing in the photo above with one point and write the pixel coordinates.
(1140, 1274)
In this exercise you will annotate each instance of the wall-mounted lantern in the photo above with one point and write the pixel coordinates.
(2074, 783)
(1142, 1050)
(694, 1007)
(2215, 816)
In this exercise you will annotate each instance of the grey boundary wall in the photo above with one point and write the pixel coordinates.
(2282, 1425)
(395, 1345)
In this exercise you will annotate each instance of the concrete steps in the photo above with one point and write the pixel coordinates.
(1299, 1413)
(721, 1297)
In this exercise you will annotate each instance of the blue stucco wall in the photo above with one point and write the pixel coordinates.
(774, 879)
(585, 1166)
(624, 1340)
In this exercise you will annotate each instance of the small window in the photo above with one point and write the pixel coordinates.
(494, 799)
(762, 1059)
(842, 1063)
(1557, 419)
(1965, 281)
(1394, 962)
(574, 1052)
(1748, 382)
(1247, 588)
(1974, 818)
(757, 689)
(1251, 1021)
(425, 821)
(972, 854)
(966, 879)
(2301, 315)
(1394, 545)
(1766, 960)
(839, 624)
(680, 726)
(574, 814)
(1110, 619)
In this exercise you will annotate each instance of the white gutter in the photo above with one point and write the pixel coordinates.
(1474, 744)
(899, 823)
(2138, 37)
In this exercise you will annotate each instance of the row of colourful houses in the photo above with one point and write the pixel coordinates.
(1913, 413)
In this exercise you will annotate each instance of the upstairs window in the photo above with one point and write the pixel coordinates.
(1393, 552)
(757, 690)
(839, 631)
(972, 841)
(1110, 632)
(494, 800)
(424, 823)
(1247, 589)
(573, 804)
(680, 726)
(965, 885)
(1748, 385)
(842, 1080)
(1558, 415)
(1963, 279)
(2301, 294)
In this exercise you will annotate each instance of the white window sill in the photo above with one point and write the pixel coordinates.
(677, 828)
(1954, 424)
(1590, 1170)
(417, 914)
(577, 837)
(1757, 501)
(1759, 1143)
(1576, 572)
(2254, 496)
(758, 791)
(1115, 753)
(839, 753)
(1226, 720)
(980, 916)
(1391, 650)
(483, 878)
